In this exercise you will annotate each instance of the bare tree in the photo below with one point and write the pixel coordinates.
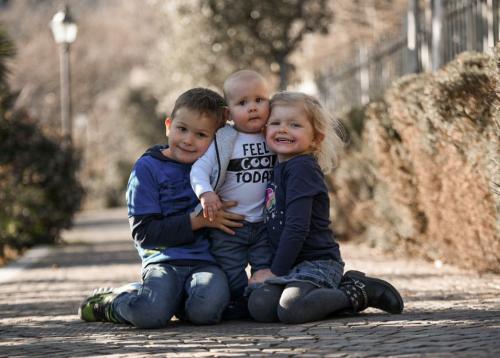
(266, 31)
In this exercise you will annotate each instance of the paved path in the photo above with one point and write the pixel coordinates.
(448, 312)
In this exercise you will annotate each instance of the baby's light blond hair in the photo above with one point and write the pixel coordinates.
(324, 125)
(241, 75)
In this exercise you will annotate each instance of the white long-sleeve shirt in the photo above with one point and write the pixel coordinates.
(247, 175)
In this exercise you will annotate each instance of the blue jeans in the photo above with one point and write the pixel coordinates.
(233, 253)
(197, 292)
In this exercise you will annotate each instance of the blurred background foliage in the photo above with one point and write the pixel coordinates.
(131, 59)
(265, 32)
(39, 190)
(400, 185)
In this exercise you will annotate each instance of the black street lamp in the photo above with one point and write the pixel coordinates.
(64, 30)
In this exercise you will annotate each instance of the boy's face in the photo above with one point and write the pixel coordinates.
(189, 135)
(248, 101)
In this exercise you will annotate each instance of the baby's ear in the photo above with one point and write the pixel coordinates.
(226, 113)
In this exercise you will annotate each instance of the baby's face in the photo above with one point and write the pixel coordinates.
(248, 100)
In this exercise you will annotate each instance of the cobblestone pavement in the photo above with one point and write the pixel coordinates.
(448, 312)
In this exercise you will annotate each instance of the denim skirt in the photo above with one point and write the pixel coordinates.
(321, 273)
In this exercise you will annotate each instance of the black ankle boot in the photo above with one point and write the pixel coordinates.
(364, 291)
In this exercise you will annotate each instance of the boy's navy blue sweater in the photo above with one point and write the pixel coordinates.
(297, 215)
(160, 200)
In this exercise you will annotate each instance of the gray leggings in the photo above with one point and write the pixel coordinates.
(297, 302)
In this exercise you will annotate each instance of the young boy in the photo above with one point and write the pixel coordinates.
(237, 166)
(179, 274)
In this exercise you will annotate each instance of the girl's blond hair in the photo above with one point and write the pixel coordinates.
(324, 125)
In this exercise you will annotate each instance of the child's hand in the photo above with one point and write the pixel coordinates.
(210, 203)
(261, 276)
(223, 220)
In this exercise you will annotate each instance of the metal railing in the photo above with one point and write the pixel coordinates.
(432, 36)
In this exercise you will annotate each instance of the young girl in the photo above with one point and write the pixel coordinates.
(305, 280)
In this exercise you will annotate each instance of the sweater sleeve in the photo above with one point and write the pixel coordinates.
(154, 230)
(201, 171)
(296, 230)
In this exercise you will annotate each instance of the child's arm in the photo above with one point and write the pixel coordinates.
(155, 230)
(200, 182)
(152, 229)
(298, 219)
(304, 181)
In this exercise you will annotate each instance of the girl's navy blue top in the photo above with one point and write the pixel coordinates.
(298, 215)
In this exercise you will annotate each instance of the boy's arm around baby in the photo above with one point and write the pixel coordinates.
(156, 230)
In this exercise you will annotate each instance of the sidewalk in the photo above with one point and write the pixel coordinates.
(448, 312)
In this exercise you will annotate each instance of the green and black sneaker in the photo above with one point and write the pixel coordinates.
(98, 306)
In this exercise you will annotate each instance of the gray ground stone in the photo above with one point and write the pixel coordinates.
(448, 312)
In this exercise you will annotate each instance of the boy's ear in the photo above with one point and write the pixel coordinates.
(168, 123)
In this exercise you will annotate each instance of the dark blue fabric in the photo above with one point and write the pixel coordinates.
(160, 199)
(320, 273)
(297, 215)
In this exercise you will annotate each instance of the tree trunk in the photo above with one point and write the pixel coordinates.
(284, 71)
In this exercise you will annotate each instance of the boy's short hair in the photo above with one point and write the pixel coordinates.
(205, 101)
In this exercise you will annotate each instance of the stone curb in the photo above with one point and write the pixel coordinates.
(30, 257)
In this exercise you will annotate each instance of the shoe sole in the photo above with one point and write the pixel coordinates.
(361, 275)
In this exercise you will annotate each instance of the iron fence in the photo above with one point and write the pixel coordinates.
(432, 36)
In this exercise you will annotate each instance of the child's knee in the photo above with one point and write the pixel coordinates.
(291, 310)
(262, 304)
(206, 311)
(143, 313)
(150, 320)
(289, 316)
(206, 307)
(204, 315)
(260, 311)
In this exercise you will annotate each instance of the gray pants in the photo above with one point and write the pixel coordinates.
(297, 302)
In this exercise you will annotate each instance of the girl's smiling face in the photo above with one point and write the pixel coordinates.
(289, 132)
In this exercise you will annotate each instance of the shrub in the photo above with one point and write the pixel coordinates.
(424, 179)
(39, 190)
